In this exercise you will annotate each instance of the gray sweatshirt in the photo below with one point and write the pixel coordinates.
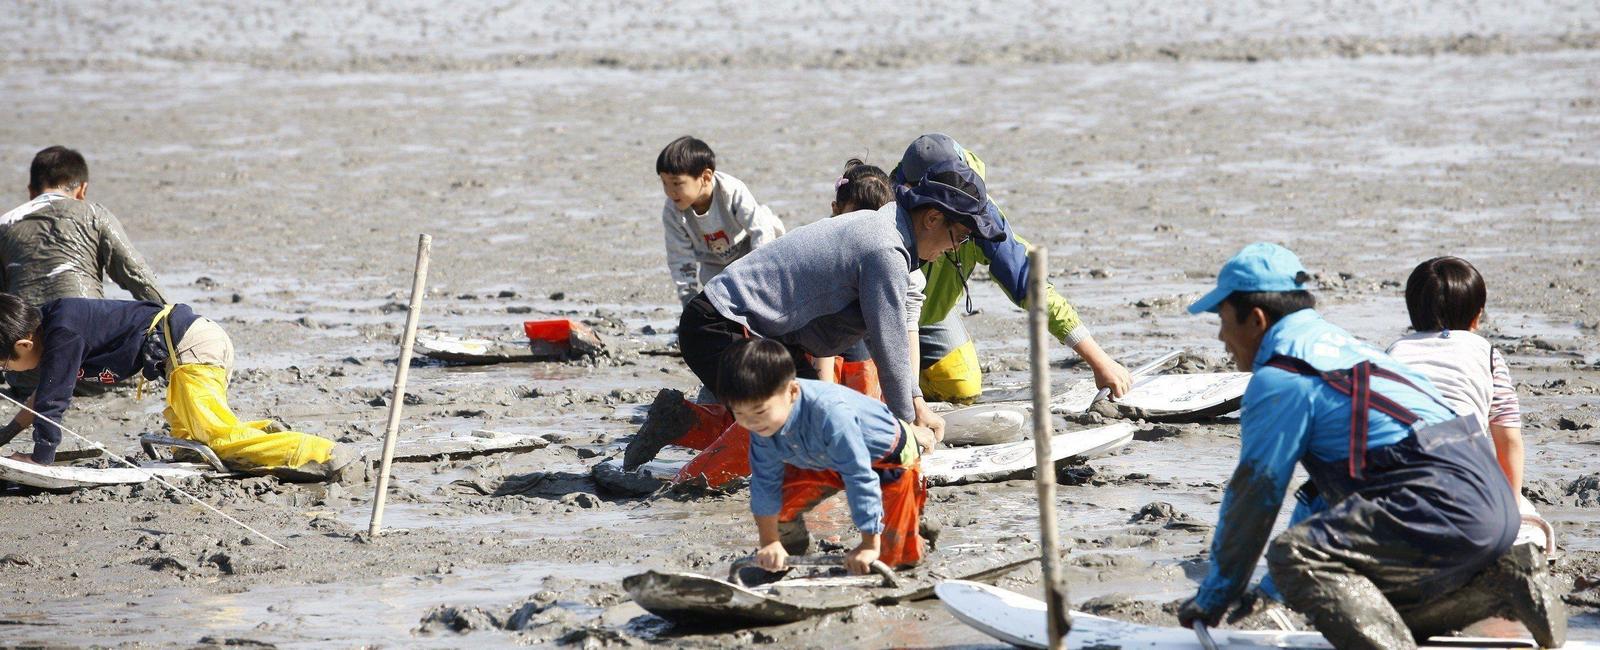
(827, 285)
(699, 246)
(59, 247)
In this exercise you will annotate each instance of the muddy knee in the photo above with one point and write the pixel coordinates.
(793, 535)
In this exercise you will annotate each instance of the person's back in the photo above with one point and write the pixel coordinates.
(59, 245)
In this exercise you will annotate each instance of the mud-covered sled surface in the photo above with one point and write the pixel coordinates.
(275, 170)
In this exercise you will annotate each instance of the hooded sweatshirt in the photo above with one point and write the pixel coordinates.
(699, 246)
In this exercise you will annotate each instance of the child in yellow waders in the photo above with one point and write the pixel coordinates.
(75, 338)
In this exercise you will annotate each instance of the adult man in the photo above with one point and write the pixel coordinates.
(948, 356)
(819, 290)
(1417, 521)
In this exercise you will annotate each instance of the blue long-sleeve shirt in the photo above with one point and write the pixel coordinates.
(834, 428)
(1285, 416)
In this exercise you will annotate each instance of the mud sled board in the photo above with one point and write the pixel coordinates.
(813, 586)
(1160, 398)
(1020, 621)
(943, 466)
(66, 477)
(957, 465)
(546, 339)
(474, 352)
(986, 424)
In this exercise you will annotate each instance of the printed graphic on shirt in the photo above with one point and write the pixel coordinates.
(105, 376)
(718, 242)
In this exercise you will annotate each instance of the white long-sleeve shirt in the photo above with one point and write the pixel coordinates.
(699, 246)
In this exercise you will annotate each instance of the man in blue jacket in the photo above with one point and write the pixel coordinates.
(1418, 520)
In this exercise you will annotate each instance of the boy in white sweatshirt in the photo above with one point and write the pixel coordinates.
(710, 218)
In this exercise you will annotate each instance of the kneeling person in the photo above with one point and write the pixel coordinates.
(813, 439)
(1418, 519)
(73, 338)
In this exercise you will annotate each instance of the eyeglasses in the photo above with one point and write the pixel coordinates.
(958, 240)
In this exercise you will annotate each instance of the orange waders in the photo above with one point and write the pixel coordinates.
(904, 493)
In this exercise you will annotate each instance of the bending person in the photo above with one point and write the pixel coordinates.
(819, 290)
(1413, 538)
(948, 356)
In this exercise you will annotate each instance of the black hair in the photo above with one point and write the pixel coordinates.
(1444, 293)
(862, 187)
(18, 320)
(57, 168)
(686, 156)
(753, 369)
(1275, 304)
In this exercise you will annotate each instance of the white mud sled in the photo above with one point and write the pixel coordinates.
(546, 339)
(944, 466)
(1020, 621)
(812, 586)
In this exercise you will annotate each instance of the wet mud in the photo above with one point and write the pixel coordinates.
(275, 172)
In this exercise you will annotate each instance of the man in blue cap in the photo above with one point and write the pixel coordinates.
(948, 355)
(819, 290)
(1414, 523)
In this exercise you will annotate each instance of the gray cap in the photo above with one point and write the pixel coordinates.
(925, 152)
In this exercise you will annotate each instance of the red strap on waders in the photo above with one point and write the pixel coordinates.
(1356, 383)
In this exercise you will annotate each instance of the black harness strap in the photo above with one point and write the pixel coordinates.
(1355, 383)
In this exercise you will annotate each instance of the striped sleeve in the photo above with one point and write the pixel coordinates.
(1503, 407)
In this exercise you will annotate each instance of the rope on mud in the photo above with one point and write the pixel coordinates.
(147, 472)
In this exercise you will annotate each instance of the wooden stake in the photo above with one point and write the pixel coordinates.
(419, 279)
(1044, 473)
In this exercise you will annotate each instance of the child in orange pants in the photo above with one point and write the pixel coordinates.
(810, 439)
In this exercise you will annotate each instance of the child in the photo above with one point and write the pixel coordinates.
(1445, 297)
(861, 187)
(72, 338)
(813, 439)
(710, 218)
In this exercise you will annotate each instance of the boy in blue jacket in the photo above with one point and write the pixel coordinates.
(811, 439)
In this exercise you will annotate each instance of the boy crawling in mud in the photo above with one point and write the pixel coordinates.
(812, 439)
(1415, 535)
(73, 338)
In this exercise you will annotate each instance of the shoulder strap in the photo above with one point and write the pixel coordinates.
(1355, 383)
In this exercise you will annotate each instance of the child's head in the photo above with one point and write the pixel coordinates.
(861, 187)
(58, 169)
(686, 167)
(1445, 293)
(19, 324)
(756, 381)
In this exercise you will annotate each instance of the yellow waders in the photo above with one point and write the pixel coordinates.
(197, 409)
(950, 371)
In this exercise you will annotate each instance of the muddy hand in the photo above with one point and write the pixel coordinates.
(1114, 376)
(22, 458)
(927, 418)
(926, 441)
(859, 561)
(1190, 612)
(772, 557)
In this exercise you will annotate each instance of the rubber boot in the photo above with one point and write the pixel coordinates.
(673, 420)
(1518, 587)
(1533, 598)
(793, 535)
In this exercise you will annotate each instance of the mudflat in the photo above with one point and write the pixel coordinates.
(275, 162)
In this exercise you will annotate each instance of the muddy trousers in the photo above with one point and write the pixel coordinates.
(949, 363)
(197, 409)
(904, 495)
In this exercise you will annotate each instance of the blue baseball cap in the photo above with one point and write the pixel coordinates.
(1257, 267)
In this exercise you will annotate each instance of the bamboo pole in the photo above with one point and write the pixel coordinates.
(419, 279)
(1044, 474)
